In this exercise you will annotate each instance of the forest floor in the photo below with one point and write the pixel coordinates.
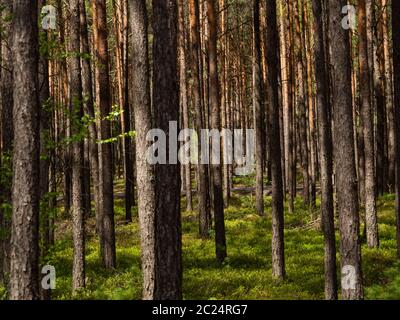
(246, 274)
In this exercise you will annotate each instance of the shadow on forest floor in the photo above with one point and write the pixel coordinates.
(246, 273)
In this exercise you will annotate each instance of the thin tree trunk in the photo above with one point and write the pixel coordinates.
(184, 97)
(202, 176)
(107, 232)
(278, 257)
(325, 143)
(367, 121)
(379, 89)
(396, 73)
(7, 137)
(301, 104)
(75, 103)
(389, 97)
(258, 102)
(88, 107)
(216, 170)
(224, 94)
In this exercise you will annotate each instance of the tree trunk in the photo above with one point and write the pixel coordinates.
(107, 232)
(389, 97)
(346, 179)
(24, 284)
(143, 123)
(278, 257)
(396, 74)
(168, 243)
(301, 105)
(184, 97)
(218, 200)
(258, 102)
(75, 103)
(202, 176)
(368, 133)
(325, 143)
(7, 137)
(379, 90)
(88, 106)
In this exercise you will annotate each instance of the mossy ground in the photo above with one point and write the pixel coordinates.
(246, 274)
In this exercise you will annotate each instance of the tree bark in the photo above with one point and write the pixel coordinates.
(396, 74)
(278, 257)
(88, 106)
(368, 133)
(202, 174)
(75, 103)
(143, 123)
(258, 102)
(24, 284)
(168, 243)
(218, 200)
(7, 137)
(346, 179)
(325, 143)
(301, 104)
(107, 232)
(184, 97)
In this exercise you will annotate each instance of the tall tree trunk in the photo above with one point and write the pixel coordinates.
(168, 184)
(202, 176)
(75, 104)
(24, 269)
(278, 257)
(288, 108)
(143, 124)
(7, 137)
(379, 89)
(346, 179)
(218, 200)
(224, 94)
(88, 106)
(368, 133)
(124, 106)
(258, 102)
(389, 97)
(325, 143)
(396, 73)
(301, 104)
(311, 107)
(107, 232)
(45, 152)
(184, 97)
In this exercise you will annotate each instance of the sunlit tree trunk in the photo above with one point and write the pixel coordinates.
(143, 123)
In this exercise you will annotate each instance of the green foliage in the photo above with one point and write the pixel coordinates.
(246, 273)
(390, 288)
(6, 171)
